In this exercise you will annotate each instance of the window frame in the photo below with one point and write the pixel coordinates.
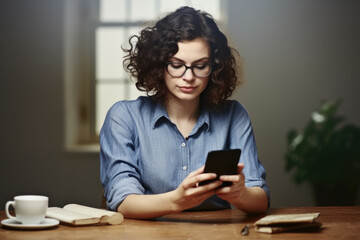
(79, 98)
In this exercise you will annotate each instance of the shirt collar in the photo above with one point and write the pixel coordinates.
(204, 119)
(161, 113)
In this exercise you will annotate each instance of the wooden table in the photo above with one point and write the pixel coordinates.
(338, 223)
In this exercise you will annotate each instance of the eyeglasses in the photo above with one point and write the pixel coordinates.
(200, 70)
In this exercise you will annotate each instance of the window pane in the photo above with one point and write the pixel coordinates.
(109, 55)
(112, 10)
(106, 96)
(210, 6)
(135, 30)
(130, 32)
(142, 10)
(134, 93)
(167, 6)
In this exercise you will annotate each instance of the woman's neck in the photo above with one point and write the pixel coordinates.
(183, 114)
(183, 110)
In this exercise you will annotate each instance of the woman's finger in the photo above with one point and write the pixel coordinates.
(197, 171)
(192, 181)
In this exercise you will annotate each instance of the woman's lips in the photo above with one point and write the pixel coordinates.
(187, 89)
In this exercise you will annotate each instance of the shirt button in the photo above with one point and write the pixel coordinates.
(184, 168)
(183, 144)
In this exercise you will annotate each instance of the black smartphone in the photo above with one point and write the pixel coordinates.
(222, 162)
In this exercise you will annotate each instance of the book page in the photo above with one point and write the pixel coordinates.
(105, 216)
(287, 218)
(70, 217)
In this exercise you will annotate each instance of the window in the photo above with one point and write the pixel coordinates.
(95, 31)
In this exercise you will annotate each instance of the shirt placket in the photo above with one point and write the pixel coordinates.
(185, 161)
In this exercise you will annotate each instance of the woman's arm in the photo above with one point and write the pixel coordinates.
(186, 196)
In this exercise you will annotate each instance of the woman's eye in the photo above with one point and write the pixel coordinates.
(200, 66)
(176, 65)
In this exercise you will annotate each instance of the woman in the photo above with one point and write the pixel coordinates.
(153, 149)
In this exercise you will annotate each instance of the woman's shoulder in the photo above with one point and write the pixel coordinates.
(230, 111)
(235, 104)
(132, 105)
(230, 107)
(131, 110)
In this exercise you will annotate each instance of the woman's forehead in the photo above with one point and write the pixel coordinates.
(192, 50)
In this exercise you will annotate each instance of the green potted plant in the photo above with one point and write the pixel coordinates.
(327, 155)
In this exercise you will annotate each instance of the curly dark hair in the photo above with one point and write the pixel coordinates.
(145, 61)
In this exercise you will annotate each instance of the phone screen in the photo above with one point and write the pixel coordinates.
(222, 162)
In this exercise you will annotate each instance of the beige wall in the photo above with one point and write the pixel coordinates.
(32, 156)
(296, 53)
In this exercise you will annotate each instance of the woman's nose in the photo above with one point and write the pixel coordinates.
(188, 75)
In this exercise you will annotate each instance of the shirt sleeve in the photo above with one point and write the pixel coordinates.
(243, 137)
(119, 165)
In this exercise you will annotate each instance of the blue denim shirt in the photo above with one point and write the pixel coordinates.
(143, 152)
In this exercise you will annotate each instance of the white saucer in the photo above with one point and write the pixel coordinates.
(46, 223)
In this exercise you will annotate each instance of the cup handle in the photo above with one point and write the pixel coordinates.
(8, 204)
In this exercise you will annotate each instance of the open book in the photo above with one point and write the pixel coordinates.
(287, 222)
(76, 214)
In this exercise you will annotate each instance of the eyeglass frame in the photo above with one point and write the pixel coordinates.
(191, 68)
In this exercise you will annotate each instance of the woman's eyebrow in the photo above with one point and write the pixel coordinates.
(182, 61)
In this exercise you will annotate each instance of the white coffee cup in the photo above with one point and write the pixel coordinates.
(29, 209)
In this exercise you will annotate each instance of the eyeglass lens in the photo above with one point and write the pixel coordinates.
(179, 69)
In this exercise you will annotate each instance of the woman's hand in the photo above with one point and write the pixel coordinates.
(251, 200)
(234, 192)
(189, 194)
